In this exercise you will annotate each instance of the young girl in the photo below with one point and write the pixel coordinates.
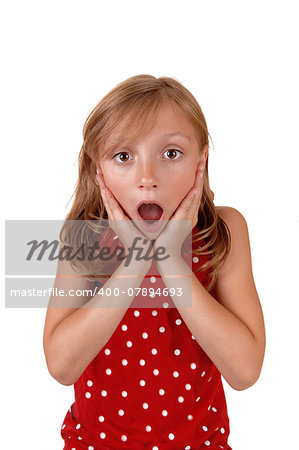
(147, 369)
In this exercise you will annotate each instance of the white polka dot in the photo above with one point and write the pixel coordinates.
(177, 351)
(192, 337)
(90, 447)
(108, 371)
(165, 305)
(115, 237)
(124, 327)
(102, 435)
(190, 417)
(153, 279)
(195, 259)
(129, 344)
(124, 393)
(136, 313)
(63, 426)
(178, 321)
(214, 409)
(203, 374)
(154, 351)
(80, 438)
(148, 428)
(161, 329)
(124, 362)
(205, 428)
(171, 436)
(142, 362)
(89, 383)
(193, 366)
(121, 412)
(188, 447)
(164, 413)
(207, 443)
(188, 387)
(144, 335)
(78, 426)
(124, 438)
(209, 407)
(107, 351)
(161, 391)
(175, 374)
(104, 393)
(155, 447)
(101, 419)
(145, 406)
(198, 398)
(180, 399)
(222, 430)
(210, 379)
(156, 372)
(87, 394)
(154, 312)
(142, 383)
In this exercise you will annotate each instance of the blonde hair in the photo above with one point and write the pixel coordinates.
(132, 106)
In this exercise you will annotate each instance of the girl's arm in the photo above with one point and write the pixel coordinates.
(231, 330)
(73, 337)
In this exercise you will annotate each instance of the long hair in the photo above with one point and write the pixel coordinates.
(132, 106)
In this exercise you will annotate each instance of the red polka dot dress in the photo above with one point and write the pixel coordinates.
(151, 386)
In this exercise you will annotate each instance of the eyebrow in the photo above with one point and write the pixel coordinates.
(178, 134)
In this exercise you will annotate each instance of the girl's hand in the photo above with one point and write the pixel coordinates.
(121, 224)
(178, 227)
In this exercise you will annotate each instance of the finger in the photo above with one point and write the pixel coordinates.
(185, 210)
(105, 197)
(99, 177)
(115, 208)
(199, 176)
(190, 204)
(106, 204)
(198, 186)
(195, 193)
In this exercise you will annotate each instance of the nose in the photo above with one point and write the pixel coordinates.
(147, 176)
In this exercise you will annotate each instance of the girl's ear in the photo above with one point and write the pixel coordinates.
(99, 173)
(203, 156)
(205, 153)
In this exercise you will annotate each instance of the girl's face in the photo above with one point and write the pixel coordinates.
(160, 168)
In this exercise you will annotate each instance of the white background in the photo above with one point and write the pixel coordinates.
(240, 61)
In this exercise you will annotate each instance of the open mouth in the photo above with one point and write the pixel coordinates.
(150, 212)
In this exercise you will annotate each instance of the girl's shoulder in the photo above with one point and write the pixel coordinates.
(239, 256)
(231, 214)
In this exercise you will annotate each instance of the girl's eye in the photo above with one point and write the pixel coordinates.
(121, 155)
(171, 152)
